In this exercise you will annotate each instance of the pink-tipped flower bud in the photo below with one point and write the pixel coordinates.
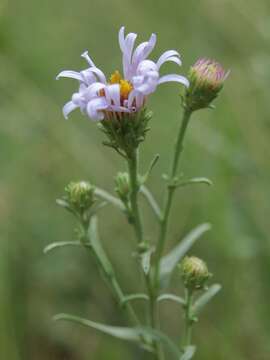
(206, 79)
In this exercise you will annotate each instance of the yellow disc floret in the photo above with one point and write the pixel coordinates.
(125, 85)
(125, 89)
(115, 77)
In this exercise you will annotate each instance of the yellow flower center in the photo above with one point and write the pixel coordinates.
(125, 85)
(125, 89)
(115, 77)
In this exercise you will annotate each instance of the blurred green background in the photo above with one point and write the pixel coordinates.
(40, 153)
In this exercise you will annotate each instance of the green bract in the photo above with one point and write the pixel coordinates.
(122, 187)
(194, 272)
(125, 133)
(80, 195)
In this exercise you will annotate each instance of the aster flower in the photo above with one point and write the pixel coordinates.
(207, 78)
(102, 99)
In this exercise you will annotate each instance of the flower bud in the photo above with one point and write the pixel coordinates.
(122, 187)
(194, 272)
(206, 79)
(80, 195)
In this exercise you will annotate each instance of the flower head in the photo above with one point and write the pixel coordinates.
(100, 98)
(206, 80)
(194, 272)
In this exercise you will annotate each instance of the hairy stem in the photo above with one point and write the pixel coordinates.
(154, 318)
(134, 185)
(188, 318)
(169, 193)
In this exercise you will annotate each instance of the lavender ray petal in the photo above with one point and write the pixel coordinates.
(70, 74)
(174, 77)
(94, 108)
(121, 38)
(99, 74)
(166, 55)
(68, 108)
(112, 93)
(86, 56)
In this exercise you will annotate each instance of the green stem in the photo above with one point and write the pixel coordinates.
(155, 325)
(188, 318)
(134, 184)
(166, 213)
(170, 193)
(135, 187)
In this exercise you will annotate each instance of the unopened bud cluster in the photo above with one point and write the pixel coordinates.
(122, 187)
(194, 272)
(80, 195)
(206, 79)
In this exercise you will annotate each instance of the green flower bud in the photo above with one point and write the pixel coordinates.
(206, 79)
(194, 272)
(80, 195)
(122, 187)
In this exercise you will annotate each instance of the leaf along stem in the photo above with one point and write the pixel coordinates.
(151, 201)
(109, 198)
(106, 268)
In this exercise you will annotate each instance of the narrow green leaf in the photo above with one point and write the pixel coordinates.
(151, 166)
(59, 244)
(124, 333)
(132, 297)
(153, 162)
(137, 334)
(97, 246)
(169, 261)
(188, 353)
(171, 297)
(205, 298)
(199, 180)
(109, 198)
(96, 207)
(102, 260)
(159, 336)
(63, 203)
(151, 200)
(146, 260)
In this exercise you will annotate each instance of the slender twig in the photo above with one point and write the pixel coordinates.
(169, 194)
(188, 318)
(134, 185)
(137, 224)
